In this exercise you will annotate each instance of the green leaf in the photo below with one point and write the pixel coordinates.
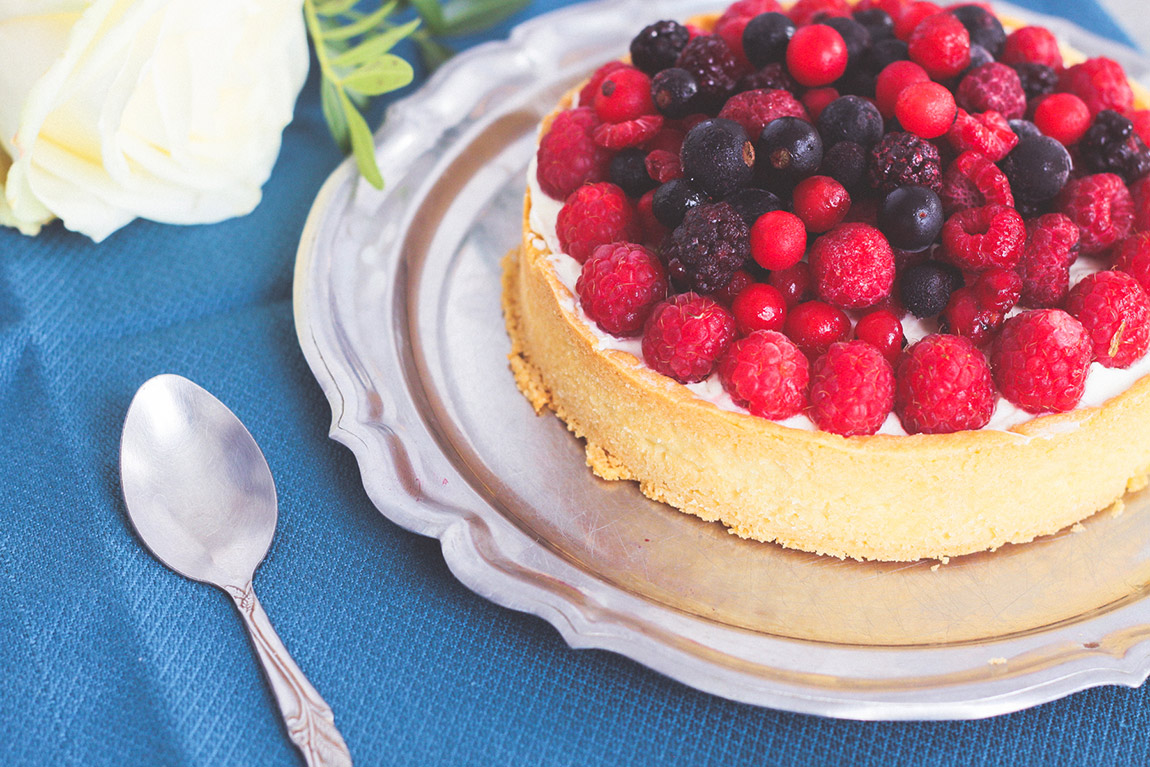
(374, 47)
(433, 52)
(334, 7)
(464, 17)
(362, 25)
(380, 76)
(362, 144)
(431, 13)
(334, 115)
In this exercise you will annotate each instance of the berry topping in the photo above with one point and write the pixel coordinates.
(759, 306)
(852, 389)
(904, 158)
(882, 329)
(672, 201)
(1037, 79)
(988, 133)
(765, 39)
(1032, 44)
(852, 266)
(568, 155)
(711, 244)
(995, 87)
(891, 82)
(1101, 83)
(926, 109)
(686, 335)
(846, 163)
(619, 285)
(850, 118)
(673, 92)
(998, 289)
(662, 165)
(979, 238)
(732, 25)
(653, 232)
(985, 30)
(717, 157)
(594, 215)
(778, 240)
(588, 91)
(767, 374)
(815, 100)
(1102, 208)
(628, 171)
(856, 38)
(1133, 257)
(815, 325)
(754, 109)
(972, 181)
(1110, 145)
(925, 288)
(940, 44)
(1114, 309)
(1063, 117)
(772, 77)
(658, 46)
(821, 203)
(1037, 168)
(713, 65)
(965, 316)
(795, 283)
(816, 55)
(943, 385)
(789, 149)
(1041, 359)
(911, 218)
(751, 203)
(630, 133)
(624, 94)
(1051, 246)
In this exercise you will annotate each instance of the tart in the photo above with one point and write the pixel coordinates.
(885, 490)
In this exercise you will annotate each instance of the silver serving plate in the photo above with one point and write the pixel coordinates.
(398, 313)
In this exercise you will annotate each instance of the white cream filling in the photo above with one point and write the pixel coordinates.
(1102, 383)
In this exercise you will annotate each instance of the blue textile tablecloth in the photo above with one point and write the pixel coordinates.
(108, 658)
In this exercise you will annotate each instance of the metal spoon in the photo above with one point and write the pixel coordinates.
(201, 497)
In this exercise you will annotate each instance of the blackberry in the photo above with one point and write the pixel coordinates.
(771, 77)
(850, 118)
(925, 288)
(877, 22)
(1110, 145)
(789, 150)
(717, 157)
(886, 52)
(911, 218)
(1037, 169)
(855, 35)
(984, 28)
(673, 91)
(710, 60)
(673, 199)
(845, 162)
(658, 46)
(752, 203)
(904, 158)
(628, 171)
(765, 38)
(712, 243)
(1037, 79)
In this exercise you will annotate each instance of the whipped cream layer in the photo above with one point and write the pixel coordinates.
(1102, 383)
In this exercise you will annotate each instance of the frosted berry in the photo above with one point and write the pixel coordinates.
(1110, 145)
(925, 288)
(1101, 83)
(850, 118)
(1051, 247)
(1132, 256)
(911, 218)
(816, 55)
(1040, 361)
(846, 163)
(893, 80)
(672, 201)
(662, 165)
(1102, 208)
(628, 171)
(767, 374)
(1032, 44)
(926, 109)
(806, 12)
(712, 243)
(984, 29)
(979, 238)
(815, 100)
(1037, 168)
(852, 389)
(821, 203)
(733, 23)
(778, 240)
(658, 46)
(795, 283)
(815, 325)
(717, 157)
(752, 203)
(972, 181)
(1114, 309)
(852, 266)
(904, 158)
(591, 87)
(910, 16)
(627, 133)
(882, 329)
(713, 65)
(759, 306)
(765, 39)
(1062, 116)
(940, 44)
(619, 285)
(994, 87)
(673, 92)
(624, 94)
(594, 215)
(988, 133)
(755, 108)
(998, 289)
(789, 149)
(686, 335)
(943, 384)
(568, 156)
(965, 316)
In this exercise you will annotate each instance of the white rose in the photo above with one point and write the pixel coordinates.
(170, 110)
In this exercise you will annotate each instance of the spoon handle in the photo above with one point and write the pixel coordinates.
(309, 720)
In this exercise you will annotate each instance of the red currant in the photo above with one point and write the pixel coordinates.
(794, 282)
(816, 99)
(882, 329)
(778, 240)
(1062, 116)
(624, 94)
(926, 109)
(821, 203)
(815, 325)
(998, 289)
(759, 307)
(909, 18)
(816, 55)
(892, 80)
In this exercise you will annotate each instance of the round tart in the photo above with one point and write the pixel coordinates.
(883, 496)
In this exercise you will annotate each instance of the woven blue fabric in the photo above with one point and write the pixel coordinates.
(108, 658)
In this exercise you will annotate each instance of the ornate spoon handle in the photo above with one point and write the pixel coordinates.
(309, 720)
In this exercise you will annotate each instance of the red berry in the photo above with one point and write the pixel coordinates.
(821, 203)
(794, 282)
(979, 238)
(882, 329)
(767, 374)
(1062, 116)
(816, 55)
(911, 16)
(663, 166)
(568, 155)
(943, 385)
(686, 335)
(972, 181)
(814, 326)
(630, 133)
(998, 289)
(727, 294)
(940, 44)
(892, 80)
(852, 389)
(994, 87)
(988, 133)
(653, 230)
(759, 307)
(1133, 257)
(1051, 242)
(1101, 83)
(852, 266)
(587, 93)
(594, 215)
(1041, 359)
(965, 316)
(1035, 44)
(669, 139)
(619, 285)
(816, 99)
(624, 94)
(778, 240)
(1102, 208)
(809, 11)
(1140, 192)
(926, 109)
(1114, 309)
(754, 109)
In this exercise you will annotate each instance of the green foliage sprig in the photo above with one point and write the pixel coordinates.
(353, 47)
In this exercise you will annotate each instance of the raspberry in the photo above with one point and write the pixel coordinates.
(686, 335)
(1110, 145)
(1032, 44)
(815, 325)
(754, 109)
(943, 385)
(715, 68)
(965, 316)
(653, 230)
(821, 203)
(568, 156)
(712, 243)
(1102, 208)
(940, 44)
(811, 11)
(1133, 257)
(624, 94)
(1101, 83)
(759, 306)
(979, 238)
(892, 80)
(1041, 359)
(663, 165)
(778, 240)
(972, 181)
(767, 374)
(988, 134)
(619, 285)
(904, 158)
(1140, 192)
(815, 100)
(625, 134)
(852, 389)
(816, 55)
(1114, 309)
(911, 16)
(658, 45)
(594, 215)
(852, 266)
(1045, 265)
(882, 329)
(734, 20)
(994, 87)
(1062, 116)
(998, 289)
(795, 283)
(926, 109)
(588, 91)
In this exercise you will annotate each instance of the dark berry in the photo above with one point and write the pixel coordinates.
(845, 162)
(984, 28)
(712, 243)
(717, 157)
(752, 203)
(1037, 168)
(850, 118)
(770, 78)
(978, 57)
(672, 201)
(1024, 128)
(629, 172)
(904, 158)
(712, 63)
(886, 52)
(856, 81)
(673, 90)
(877, 22)
(789, 149)
(658, 46)
(854, 34)
(925, 288)
(911, 218)
(1110, 145)
(765, 38)
(1037, 79)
